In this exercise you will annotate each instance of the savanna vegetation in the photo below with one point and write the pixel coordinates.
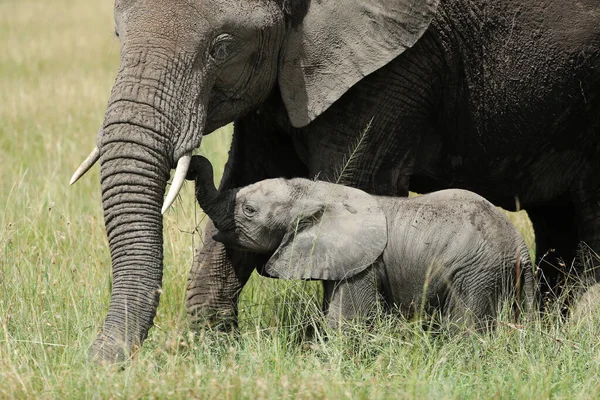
(57, 63)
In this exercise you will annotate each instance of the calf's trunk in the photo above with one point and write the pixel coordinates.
(218, 205)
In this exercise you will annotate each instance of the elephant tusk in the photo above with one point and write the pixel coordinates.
(180, 173)
(86, 165)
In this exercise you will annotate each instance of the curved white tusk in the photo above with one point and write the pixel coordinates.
(180, 172)
(86, 165)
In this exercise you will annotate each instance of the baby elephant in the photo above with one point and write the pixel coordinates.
(450, 251)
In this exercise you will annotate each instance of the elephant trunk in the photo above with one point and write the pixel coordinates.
(132, 194)
(218, 205)
(145, 133)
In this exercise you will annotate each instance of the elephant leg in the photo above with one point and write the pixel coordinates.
(218, 274)
(355, 298)
(461, 313)
(473, 303)
(214, 284)
(556, 242)
(587, 213)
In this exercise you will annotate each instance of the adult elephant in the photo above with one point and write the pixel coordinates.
(499, 97)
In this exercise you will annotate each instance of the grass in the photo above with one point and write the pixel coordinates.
(57, 64)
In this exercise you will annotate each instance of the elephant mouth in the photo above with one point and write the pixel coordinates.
(228, 238)
(231, 239)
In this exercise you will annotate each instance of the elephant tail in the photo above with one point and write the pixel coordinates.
(526, 290)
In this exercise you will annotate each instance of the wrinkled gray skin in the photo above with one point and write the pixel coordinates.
(499, 97)
(450, 250)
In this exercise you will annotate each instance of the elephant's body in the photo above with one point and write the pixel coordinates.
(498, 97)
(494, 98)
(516, 110)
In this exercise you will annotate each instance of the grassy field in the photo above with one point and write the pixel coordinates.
(57, 63)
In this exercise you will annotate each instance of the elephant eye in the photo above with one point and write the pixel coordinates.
(248, 210)
(222, 47)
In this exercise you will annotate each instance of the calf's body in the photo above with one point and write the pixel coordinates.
(451, 250)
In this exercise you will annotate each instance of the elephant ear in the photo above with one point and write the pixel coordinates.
(340, 42)
(338, 232)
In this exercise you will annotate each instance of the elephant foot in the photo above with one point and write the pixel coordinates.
(108, 350)
(204, 317)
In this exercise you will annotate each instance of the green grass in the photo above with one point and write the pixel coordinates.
(57, 63)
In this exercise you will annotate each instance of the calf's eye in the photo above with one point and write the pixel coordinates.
(248, 210)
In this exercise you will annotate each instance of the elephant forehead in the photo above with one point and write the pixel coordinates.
(269, 190)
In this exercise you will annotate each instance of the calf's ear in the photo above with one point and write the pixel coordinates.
(338, 232)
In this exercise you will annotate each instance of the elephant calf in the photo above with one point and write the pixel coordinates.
(450, 251)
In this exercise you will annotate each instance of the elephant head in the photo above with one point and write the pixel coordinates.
(190, 66)
(311, 229)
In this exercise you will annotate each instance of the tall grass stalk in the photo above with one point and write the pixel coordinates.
(348, 163)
